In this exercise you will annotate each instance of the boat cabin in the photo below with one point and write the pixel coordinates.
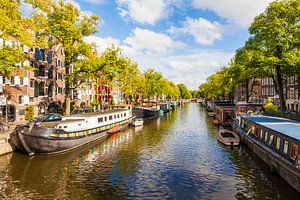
(150, 104)
(224, 114)
(244, 108)
(279, 134)
(164, 107)
(88, 121)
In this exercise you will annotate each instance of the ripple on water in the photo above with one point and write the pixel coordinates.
(175, 157)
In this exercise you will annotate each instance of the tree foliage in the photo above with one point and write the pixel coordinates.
(271, 51)
(184, 92)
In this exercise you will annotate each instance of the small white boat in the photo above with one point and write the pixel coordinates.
(228, 137)
(138, 122)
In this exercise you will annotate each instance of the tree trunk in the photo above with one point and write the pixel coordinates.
(280, 88)
(68, 92)
(247, 90)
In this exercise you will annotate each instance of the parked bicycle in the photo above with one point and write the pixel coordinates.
(4, 127)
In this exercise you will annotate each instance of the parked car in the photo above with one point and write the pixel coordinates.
(80, 111)
(49, 117)
(290, 112)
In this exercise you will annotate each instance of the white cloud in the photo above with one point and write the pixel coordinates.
(102, 43)
(203, 31)
(176, 61)
(144, 11)
(241, 12)
(190, 67)
(150, 41)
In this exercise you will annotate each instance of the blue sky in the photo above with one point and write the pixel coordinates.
(186, 40)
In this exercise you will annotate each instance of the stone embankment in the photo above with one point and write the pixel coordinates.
(4, 144)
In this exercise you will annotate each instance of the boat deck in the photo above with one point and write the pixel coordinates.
(98, 113)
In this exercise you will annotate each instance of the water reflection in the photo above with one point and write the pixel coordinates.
(176, 156)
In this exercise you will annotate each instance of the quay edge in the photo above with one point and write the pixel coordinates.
(5, 146)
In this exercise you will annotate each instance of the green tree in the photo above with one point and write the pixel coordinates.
(275, 40)
(153, 83)
(184, 92)
(69, 26)
(14, 30)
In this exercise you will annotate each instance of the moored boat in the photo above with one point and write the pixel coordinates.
(69, 133)
(148, 110)
(164, 107)
(276, 141)
(137, 122)
(228, 137)
(211, 114)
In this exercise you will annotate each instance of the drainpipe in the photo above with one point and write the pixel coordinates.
(6, 111)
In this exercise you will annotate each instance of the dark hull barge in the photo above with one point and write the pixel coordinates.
(70, 133)
(148, 110)
(145, 113)
(276, 141)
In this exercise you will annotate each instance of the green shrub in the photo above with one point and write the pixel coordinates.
(29, 113)
(95, 102)
(90, 106)
(269, 107)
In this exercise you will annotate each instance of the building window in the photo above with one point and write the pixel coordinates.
(12, 80)
(50, 90)
(278, 143)
(21, 99)
(285, 147)
(294, 151)
(292, 93)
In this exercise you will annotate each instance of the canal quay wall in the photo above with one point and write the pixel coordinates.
(5, 147)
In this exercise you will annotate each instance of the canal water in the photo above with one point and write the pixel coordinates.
(175, 157)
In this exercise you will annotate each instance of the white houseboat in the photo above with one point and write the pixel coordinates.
(69, 133)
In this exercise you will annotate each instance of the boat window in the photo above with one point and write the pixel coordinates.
(285, 147)
(105, 118)
(252, 129)
(124, 114)
(261, 133)
(256, 132)
(100, 119)
(118, 116)
(242, 123)
(266, 136)
(271, 139)
(278, 143)
(121, 114)
(110, 117)
(294, 151)
(65, 126)
(114, 116)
